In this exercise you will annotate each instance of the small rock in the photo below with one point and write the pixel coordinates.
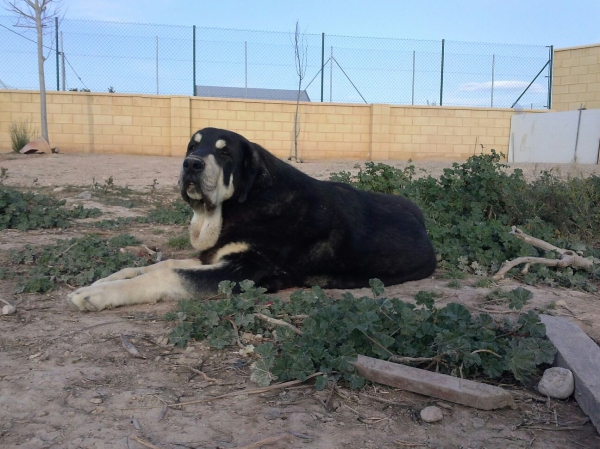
(58, 189)
(96, 401)
(477, 423)
(8, 309)
(85, 195)
(272, 415)
(432, 414)
(557, 383)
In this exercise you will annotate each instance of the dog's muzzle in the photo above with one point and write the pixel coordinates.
(190, 177)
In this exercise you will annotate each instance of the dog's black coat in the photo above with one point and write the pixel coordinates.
(302, 231)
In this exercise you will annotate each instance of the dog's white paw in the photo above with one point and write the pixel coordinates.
(92, 299)
(125, 273)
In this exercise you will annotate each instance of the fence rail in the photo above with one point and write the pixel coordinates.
(161, 59)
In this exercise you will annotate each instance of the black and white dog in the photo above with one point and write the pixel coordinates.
(257, 217)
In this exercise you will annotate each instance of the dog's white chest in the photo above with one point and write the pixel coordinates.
(205, 228)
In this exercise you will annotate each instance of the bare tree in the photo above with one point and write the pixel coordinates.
(38, 14)
(300, 52)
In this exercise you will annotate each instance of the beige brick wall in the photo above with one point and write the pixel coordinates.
(446, 133)
(162, 125)
(576, 78)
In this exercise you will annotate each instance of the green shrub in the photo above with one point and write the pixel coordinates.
(448, 339)
(175, 213)
(25, 211)
(180, 242)
(21, 134)
(76, 262)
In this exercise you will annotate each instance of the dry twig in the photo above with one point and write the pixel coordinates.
(237, 333)
(408, 444)
(277, 322)
(251, 391)
(144, 442)
(265, 441)
(204, 375)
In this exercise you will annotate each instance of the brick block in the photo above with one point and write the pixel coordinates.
(60, 118)
(119, 100)
(570, 62)
(588, 60)
(580, 354)
(266, 116)
(101, 99)
(122, 120)
(236, 105)
(64, 98)
(252, 106)
(273, 107)
(421, 121)
(161, 121)
(236, 125)
(71, 108)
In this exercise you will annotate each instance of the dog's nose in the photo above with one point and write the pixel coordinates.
(192, 165)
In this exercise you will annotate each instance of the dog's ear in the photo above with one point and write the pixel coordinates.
(255, 170)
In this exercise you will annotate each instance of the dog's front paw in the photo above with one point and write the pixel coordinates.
(92, 299)
(125, 273)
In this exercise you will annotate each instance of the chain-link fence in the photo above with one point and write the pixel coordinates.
(160, 59)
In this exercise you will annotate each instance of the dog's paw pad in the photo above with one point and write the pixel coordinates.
(87, 299)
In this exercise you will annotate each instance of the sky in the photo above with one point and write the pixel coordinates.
(561, 23)
(493, 49)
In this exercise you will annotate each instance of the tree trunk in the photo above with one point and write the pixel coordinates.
(296, 121)
(40, 45)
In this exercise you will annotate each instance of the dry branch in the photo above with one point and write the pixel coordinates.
(567, 257)
(277, 322)
(203, 374)
(252, 391)
(269, 440)
(144, 442)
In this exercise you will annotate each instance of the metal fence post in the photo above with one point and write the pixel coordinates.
(442, 74)
(550, 75)
(57, 63)
(62, 60)
(194, 60)
(322, 63)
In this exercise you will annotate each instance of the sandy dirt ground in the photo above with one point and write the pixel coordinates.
(67, 382)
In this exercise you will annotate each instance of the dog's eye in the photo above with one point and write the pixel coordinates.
(225, 153)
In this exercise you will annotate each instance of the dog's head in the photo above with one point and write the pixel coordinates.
(220, 165)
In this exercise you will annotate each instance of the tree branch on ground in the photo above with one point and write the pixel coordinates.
(567, 257)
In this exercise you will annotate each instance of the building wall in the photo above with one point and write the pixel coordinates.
(576, 78)
(162, 125)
